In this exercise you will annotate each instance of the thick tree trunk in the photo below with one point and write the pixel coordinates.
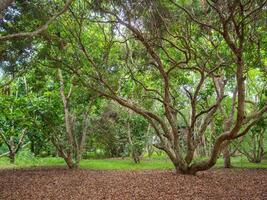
(186, 171)
(70, 163)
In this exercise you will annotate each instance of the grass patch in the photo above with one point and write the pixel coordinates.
(242, 162)
(126, 164)
(117, 164)
(36, 162)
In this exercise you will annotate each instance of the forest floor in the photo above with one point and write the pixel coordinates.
(60, 183)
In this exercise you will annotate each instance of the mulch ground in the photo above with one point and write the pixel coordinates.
(59, 183)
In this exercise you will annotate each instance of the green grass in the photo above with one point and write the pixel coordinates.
(242, 162)
(35, 162)
(126, 164)
(116, 164)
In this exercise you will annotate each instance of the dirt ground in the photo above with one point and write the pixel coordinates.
(58, 183)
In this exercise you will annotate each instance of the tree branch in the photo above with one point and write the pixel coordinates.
(38, 30)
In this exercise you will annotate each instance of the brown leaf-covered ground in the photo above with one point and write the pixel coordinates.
(59, 183)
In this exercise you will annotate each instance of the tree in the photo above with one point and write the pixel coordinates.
(14, 118)
(75, 142)
(39, 30)
(184, 66)
(177, 50)
(64, 114)
(120, 132)
(13, 148)
(253, 146)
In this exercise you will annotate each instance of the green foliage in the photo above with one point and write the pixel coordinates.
(153, 69)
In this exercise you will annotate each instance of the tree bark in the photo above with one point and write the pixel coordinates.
(12, 157)
(4, 4)
(227, 157)
(67, 117)
(70, 163)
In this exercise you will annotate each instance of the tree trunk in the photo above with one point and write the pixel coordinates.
(4, 4)
(227, 157)
(70, 163)
(12, 157)
(32, 147)
(133, 151)
(186, 171)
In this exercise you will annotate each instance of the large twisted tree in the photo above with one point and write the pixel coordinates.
(187, 59)
(180, 66)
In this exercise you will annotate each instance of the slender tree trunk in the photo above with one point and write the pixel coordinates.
(32, 146)
(12, 157)
(68, 121)
(132, 150)
(227, 157)
(80, 148)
